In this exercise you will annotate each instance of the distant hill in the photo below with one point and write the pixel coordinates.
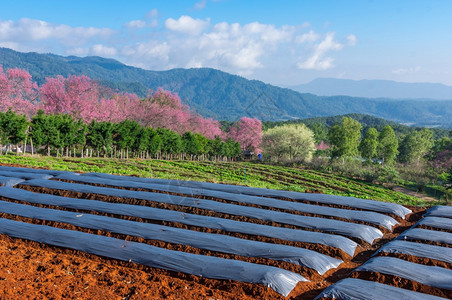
(223, 96)
(375, 89)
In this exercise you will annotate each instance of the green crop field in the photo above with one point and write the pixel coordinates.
(240, 173)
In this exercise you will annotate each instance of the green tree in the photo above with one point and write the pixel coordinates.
(44, 130)
(203, 143)
(388, 145)
(369, 144)
(155, 141)
(320, 132)
(415, 146)
(171, 141)
(345, 138)
(215, 146)
(190, 144)
(13, 128)
(100, 136)
(71, 132)
(231, 149)
(289, 142)
(124, 135)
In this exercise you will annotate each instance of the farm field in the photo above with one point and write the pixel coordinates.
(257, 175)
(75, 231)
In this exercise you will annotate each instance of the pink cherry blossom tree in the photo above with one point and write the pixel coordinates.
(75, 95)
(18, 92)
(248, 133)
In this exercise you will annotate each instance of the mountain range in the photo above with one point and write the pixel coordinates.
(223, 96)
(375, 89)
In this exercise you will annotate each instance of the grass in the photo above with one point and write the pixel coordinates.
(257, 175)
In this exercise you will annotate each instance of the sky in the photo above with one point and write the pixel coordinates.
(279, 42)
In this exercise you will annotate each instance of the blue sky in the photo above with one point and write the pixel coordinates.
(279, 42)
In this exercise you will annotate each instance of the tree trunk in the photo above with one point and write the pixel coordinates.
(31, 144)
(25, 145)
(48, 150)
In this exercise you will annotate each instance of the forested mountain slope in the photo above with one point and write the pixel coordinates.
(223, 96)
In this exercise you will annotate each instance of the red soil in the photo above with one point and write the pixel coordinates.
(33, 270)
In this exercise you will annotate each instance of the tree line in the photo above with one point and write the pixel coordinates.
(64, 135)
(384, 146)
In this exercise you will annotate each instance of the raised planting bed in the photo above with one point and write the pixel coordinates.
(69, 235)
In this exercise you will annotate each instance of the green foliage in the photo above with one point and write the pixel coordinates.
(171, 141)
(289, 142)
(345, 138)
(44, 130)
(71, 132)
(366, 121)
(13, 127)
(231, 148)
(125, 134)
(320, 131)
(415, 146)
(190, 144)
(100, 136)
(155, 141)
(369, 144)
(388, 145)
(258, 175)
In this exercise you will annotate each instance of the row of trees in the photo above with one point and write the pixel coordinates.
(64, 135)
(87, 100)
(385, 146)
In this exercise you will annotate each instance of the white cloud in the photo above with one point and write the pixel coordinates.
(101, 50)
(152, 14)
(29, 30)
(318, 61)
(200, 5)
(311, 36)
(136, 24)
(183, 42)
(402, 71)
(79, 51)
(351, 40)
(186, 24)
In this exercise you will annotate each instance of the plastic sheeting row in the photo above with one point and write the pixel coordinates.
(436, 222)
(311, 259)
(9, 181)
(420, 234)
(419, 250)
(358, 289)
(363, 232)
(26, 175)
(282, 281)
(427, 275)
(371, 205)
(365, 216)
(440, 211)
(340, 242)
(34, 171)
